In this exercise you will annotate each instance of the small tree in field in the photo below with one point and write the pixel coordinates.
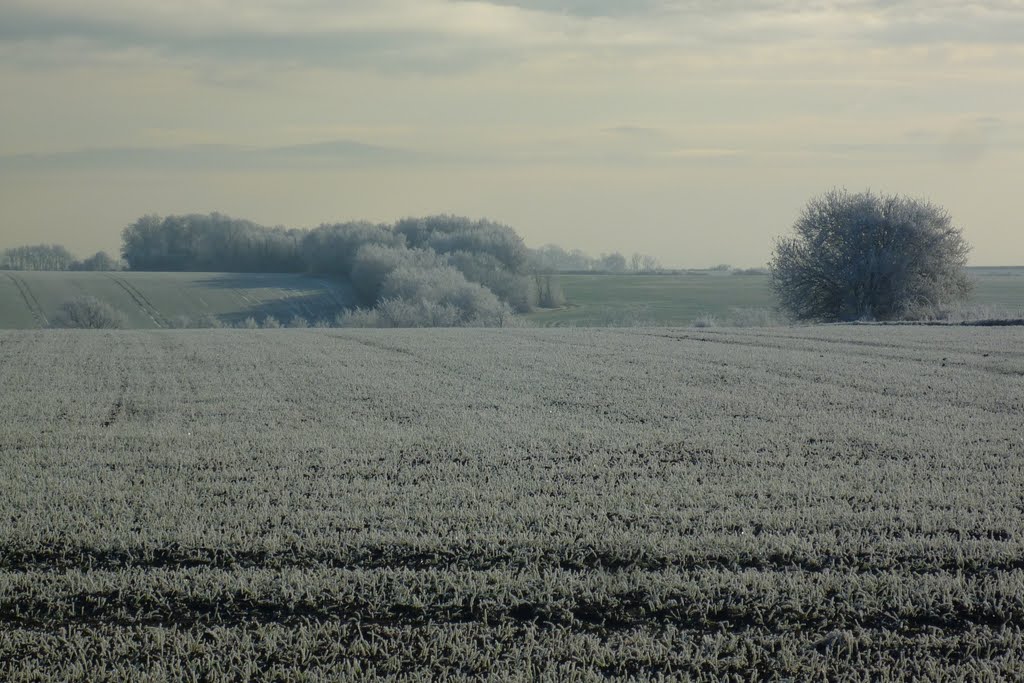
(870, 256)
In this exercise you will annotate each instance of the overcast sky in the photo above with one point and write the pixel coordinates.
(694, 130)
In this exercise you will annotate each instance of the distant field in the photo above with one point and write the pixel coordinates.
(155, 300)
(815, 503)
(606, 299)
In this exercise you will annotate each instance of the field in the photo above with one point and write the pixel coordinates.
(526, 504)
(154, 300)
(601, 299)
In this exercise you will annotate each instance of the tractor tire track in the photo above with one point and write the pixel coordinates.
(142, 302)
(30, 300)
(117, 409)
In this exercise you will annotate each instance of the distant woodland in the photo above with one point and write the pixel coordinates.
(54, 257)
(438, 270)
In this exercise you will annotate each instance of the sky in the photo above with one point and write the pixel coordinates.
(692, 130)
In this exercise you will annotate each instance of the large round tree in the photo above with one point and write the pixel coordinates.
(870, 256)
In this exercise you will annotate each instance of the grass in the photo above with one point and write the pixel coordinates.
(156, 300)
(605, 299)
(528, 504)
(681, 299)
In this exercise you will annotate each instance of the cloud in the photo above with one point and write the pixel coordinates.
(387, 35)
(636, 132)
(457, 35)
(331, 154)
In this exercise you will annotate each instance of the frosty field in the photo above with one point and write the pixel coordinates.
(561, 504)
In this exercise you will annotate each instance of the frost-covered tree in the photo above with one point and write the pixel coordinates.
(870, 256)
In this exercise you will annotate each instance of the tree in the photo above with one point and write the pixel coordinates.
(613, 263)
(36, 257)
(869, 256)
(101, 260)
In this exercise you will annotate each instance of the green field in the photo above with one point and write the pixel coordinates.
(155, 300)
(602, 299)
(813, 503)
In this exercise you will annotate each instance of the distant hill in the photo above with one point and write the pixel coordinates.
(153, 300)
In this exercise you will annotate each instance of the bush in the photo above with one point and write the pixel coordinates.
(399, 312)
(359, 317)
(868, 256)
(741, 317)
(516, 289)
(298, 321)
(88, 312)
(447, 287)
(549, 292)
(374, 263)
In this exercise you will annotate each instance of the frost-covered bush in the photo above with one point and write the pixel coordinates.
(447, 287)
(869, 256)
(705, 320)
(358, 317)
(516, 289)
(88, 312)
(415, 296)
(374, 263)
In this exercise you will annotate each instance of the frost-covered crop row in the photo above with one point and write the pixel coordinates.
(533, 503)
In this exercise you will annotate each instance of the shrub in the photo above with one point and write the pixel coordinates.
(88, 312)
(549, 292)
(374, 263)
(869, 256)
(298, 321)
(270, 323)
(516, 289)
(358, 317)
(447, 287)
(249, 323)
(209, 321)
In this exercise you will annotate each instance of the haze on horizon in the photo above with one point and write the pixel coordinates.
(692, 130)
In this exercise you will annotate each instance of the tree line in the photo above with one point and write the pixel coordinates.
(555, 259)
(54, 257)
(436, 270)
